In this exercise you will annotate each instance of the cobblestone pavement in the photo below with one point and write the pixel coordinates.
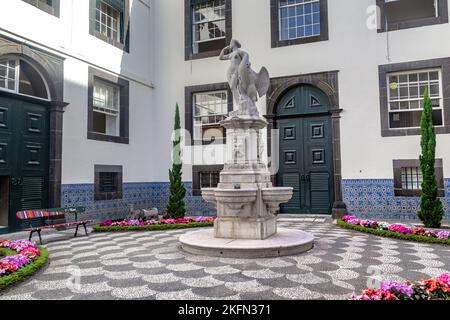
(151, 265)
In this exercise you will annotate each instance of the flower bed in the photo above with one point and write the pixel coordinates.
(21, 259)
(430, 289)
(153, 225)
(396, 230)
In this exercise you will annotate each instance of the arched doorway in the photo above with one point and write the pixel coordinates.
(24, 139)
(304, 122)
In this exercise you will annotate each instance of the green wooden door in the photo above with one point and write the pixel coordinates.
(24, 154)
(306, 159)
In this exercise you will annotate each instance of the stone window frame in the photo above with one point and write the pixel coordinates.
(384, 70)
(124, 106)
(416, 23)
(196, 170)
(189, 112)
(188, 36)
(55, 5)
(407, 163)
(102, 196)
(124, 44)
(275, 27)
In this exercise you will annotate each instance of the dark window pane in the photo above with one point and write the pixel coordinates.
(108, 182)
(99, 122)
(30, 82)
(412, 119)
(211, 45)
(209, 179)
(407, 10)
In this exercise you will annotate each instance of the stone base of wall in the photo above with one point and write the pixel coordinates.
(375, 199)
(141, 195)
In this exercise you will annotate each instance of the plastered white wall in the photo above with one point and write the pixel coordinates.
(353, 49)
(157, 57)
(69, 37)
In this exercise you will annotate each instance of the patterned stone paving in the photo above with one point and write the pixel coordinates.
(152, 266)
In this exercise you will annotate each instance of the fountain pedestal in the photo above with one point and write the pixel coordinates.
(242, 210)
(246, 201)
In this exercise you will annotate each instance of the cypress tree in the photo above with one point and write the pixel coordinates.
(431, 210)
(176, 207)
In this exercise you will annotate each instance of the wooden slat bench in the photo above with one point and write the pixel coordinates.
(48, 218)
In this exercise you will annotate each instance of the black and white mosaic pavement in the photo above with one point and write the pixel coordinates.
(151, 265)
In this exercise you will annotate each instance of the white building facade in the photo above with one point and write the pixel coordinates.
(344, 105)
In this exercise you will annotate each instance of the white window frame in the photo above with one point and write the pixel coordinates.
(407, 183)
(195, 23)
(107, 110)
(217, 115)
(17, 79)
(280, 27)
(106, 26)
(419, 99)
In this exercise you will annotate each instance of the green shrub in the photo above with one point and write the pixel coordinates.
(431, 210)
(176, 207)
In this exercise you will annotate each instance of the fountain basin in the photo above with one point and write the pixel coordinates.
(273, 197)
(286, 242)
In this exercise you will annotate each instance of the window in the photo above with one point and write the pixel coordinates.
(205, 177)
(402, 14)
(106, 108)
(108, 182)
(110, 21)
(20, 77)
(108, 117)
(408, 178)
(107, 21)
(8, 74)
(205, 107)
(411, 178)
(49, 6)
(405, 97)
(208, 27)
(210, 108)
(298, 21)
(209, 179)
(401, 96)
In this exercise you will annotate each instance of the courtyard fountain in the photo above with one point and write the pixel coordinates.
(246, 200)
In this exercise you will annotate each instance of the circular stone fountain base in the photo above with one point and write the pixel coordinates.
(285, 243)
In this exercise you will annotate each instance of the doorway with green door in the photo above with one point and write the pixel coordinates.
(304, 124)
(24, 140)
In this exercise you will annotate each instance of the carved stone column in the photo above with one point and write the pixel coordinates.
(56, 111)
(339, 207)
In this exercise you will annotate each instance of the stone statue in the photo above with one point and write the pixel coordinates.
(245, 84)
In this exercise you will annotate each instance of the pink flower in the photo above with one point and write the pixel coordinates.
(399, 228)
(106, 223)
(31, 253)
(444, 278)
(348, 218)
(354, 221)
